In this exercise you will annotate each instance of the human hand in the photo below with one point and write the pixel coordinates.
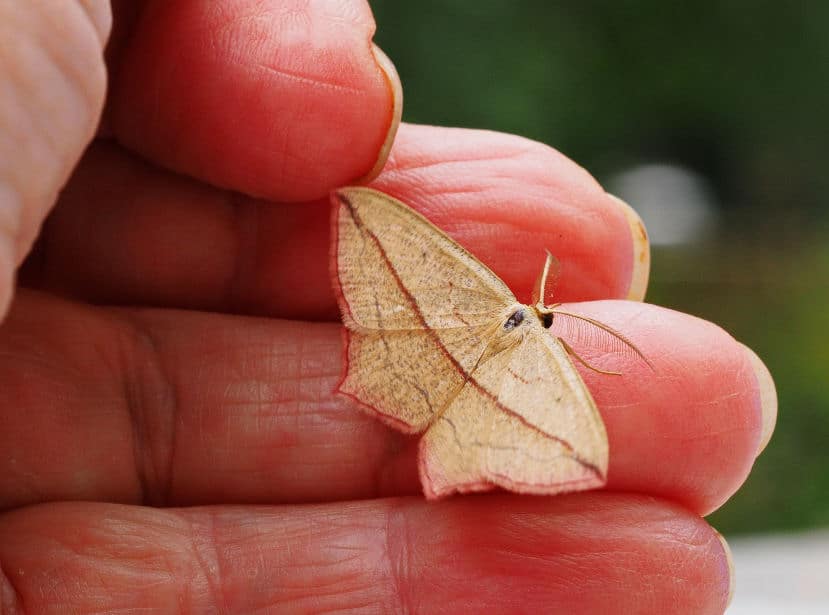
(171, 440)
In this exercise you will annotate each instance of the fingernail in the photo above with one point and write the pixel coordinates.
(641, 251)
(768, 397)
(396, 91)
(729, 560)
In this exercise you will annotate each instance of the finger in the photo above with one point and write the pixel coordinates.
(276, 99)
(689, 426)
(51, 94)
(510, 200)
(181, 408)
(144, 236)
(596, 553)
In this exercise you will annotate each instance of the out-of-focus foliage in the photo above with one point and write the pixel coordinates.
(737, 92)
(776, 301)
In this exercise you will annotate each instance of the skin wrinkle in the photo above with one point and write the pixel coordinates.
(399, 557)
(327, 586)
(207, 556)
(722, 398)
(330, 577)
(132, 394)
(226, 566)
(447, 192)
(284, 403)
(288, 534)
(314, 81)
(146, 378)
(129, 547)
(536, 174)
(393, 172)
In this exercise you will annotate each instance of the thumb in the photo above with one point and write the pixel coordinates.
(52, 87)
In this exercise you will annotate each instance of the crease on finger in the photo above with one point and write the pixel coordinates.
(151, 402)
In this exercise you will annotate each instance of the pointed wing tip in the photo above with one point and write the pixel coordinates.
(340, 197)
(346, 194)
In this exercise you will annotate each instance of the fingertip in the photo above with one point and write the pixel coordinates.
(689, 428)
(275, 103)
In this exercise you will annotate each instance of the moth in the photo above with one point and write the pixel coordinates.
(437, 344)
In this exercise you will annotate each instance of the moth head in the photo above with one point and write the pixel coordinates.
(547, 319)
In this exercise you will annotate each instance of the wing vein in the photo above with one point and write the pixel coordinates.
(469, 378)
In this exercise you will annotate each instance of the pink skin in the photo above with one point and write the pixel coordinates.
(310, 504)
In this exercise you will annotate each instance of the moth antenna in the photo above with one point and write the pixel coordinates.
(547, 279)
(573, 353)
(609, 330)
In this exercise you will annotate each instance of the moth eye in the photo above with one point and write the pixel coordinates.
(547, 320)
(513, 321)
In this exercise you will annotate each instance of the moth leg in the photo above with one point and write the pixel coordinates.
(575, 355)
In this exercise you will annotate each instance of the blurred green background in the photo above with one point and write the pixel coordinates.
(713, 121)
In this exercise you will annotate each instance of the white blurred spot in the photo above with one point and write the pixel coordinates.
(781, 574)
(676, 204)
